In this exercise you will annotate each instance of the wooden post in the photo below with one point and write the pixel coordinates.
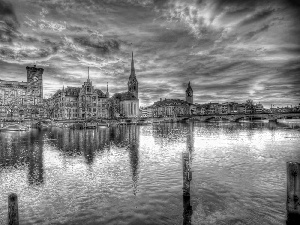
(186, 174)
(187, 210)
(293, 193)
(13, 215)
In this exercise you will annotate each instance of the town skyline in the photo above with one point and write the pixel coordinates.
(229, 51)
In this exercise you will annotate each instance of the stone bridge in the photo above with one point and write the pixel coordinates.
(237, 117)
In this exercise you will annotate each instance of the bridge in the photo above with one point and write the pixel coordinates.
(237, 117)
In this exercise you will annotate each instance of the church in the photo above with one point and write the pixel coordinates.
(126, 104)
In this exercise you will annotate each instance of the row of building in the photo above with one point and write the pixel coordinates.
(21, 100)
(24, 100)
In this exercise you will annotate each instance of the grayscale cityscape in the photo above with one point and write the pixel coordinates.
(149, 112)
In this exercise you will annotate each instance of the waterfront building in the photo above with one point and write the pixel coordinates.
(170, 108)
(19, 100)
(84, 102)
(126, 104)
(173, 107)
(259, 108)
(144, 112)
(241, 108)
(213, 108)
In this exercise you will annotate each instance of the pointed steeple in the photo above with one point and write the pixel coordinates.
(132, 82)
(88, 74)
(107, 93)
(132, 66)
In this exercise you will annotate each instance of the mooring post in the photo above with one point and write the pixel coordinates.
(293, 193)
(13, 214)
(186, 173)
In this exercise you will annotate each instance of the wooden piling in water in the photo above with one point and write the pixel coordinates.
(293, 193)
(186, 174)
(187, 210)
(13, 214)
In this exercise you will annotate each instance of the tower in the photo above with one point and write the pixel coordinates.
(132, 82)
(35, 83)
(88, 84)
(189, 94)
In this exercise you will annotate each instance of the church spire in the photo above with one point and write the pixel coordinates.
(88, 80)
(107, 93)
(132, 82)
(132, 66)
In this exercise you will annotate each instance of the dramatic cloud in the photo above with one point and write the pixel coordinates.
(229, 50)
(8, 22)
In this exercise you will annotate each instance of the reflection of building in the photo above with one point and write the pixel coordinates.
(134, 137)
(23, 149)
(80, 142)
(19, 99)
(79, 103)
(126, 104)
(35, 164)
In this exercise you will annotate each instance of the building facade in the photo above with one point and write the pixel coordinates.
(86, 102)
(19, 100)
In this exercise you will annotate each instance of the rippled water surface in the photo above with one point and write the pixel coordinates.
(133, 174)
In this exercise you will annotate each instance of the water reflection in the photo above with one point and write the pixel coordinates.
(134, 137)
(23, 149)
(35, 146)
(135, 174)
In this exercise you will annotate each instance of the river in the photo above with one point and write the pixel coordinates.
(133, 174)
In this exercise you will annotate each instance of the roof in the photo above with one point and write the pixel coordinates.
(124, 96)
(170, 102)
(72, 91)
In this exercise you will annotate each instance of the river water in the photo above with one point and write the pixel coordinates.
(133, 174)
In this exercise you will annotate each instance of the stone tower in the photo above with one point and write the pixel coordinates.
(35, 83)
(133, 85)
(189, 94)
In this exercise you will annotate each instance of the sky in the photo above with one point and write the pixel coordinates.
(230, 50)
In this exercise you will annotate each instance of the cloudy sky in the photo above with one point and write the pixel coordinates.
(230, 50)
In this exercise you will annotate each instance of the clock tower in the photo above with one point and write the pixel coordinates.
(35, 83)
(189, 94)
(133, 85)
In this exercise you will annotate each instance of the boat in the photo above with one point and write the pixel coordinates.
(288, 120)
(245, 121)
(90, 126)
(14, 127)
(261, 121)
(102, 124)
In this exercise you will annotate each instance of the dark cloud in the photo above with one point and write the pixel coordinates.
(253, 33)
(8, 22)
(258, 16)
(100, 46)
